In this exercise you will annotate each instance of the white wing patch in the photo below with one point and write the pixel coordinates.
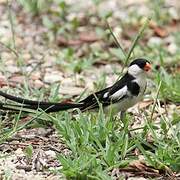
(119, 94)
(106, 95)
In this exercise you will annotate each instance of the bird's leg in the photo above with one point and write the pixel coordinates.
(125, 121)
(122, 115)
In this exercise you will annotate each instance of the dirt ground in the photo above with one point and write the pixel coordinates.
(39, 62)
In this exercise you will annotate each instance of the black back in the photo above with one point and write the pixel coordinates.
(91, 101)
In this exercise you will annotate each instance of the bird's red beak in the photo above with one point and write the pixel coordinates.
(147, 67)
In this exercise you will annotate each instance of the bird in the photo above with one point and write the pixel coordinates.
(119, 97)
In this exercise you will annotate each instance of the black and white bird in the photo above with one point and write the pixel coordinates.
(122, 95)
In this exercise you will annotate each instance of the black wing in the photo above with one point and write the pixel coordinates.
(91, 102)
(105, 96)
(121, 83)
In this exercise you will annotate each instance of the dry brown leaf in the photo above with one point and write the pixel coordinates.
(144, 104)
(3, 81)
(61, 41)
(84, 37)
(158, 31)
(17, 79)
(140, 165)
(139, 168)
(88, 37)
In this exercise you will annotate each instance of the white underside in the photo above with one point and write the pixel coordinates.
(130, 101)
(122, 105)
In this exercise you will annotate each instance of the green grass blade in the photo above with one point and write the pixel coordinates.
(138, 36)
(116, 40)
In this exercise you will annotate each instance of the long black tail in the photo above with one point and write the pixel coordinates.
(29, 104)
(4, 106)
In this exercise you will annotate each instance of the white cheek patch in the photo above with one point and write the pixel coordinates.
(134, 70)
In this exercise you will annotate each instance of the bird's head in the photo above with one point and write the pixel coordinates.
(139, 66)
